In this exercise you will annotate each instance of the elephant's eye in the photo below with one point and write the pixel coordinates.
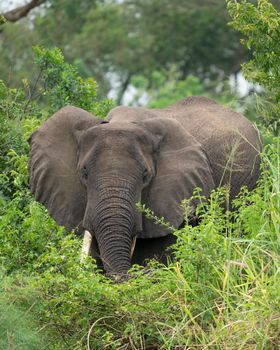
(85, 173)
(145, 175)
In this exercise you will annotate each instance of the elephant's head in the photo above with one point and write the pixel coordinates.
(89, 174)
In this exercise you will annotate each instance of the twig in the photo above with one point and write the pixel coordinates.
(33, 91)
(93, 325)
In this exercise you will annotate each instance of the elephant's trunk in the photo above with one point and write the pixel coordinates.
(113, 229)
(113, 223)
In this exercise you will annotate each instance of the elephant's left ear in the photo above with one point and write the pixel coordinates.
(181, 166)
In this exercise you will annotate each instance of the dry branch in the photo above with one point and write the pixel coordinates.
(21, 11)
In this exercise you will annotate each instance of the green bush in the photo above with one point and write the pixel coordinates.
(63, 86)
(21, 110)
(26, 228)
(260, 25)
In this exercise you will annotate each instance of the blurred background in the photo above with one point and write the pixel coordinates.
(140, 52)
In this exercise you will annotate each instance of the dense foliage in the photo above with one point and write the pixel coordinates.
(116, 40)
(260, 26)
(166, 88)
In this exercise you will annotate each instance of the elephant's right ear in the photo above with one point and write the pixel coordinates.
(54, 178)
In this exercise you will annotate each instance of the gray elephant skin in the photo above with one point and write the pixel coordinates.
(90, 173)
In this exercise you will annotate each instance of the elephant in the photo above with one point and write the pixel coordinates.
(89, 173)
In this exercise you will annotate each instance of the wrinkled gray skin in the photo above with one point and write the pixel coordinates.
(89, 174)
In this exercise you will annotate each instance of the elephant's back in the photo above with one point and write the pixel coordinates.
(231, 142)
(129, 114)
(204, 118)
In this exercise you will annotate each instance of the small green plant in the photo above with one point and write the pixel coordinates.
(149, 214)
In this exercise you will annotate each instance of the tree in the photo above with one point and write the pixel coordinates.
(55, 25)
(260, 25)
(165, 89)
(138, 37)
(115, 40)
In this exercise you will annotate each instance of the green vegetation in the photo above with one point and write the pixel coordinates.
(222, 290)
(165, 88)
(261, 27)
(115, 40)
(17, 323)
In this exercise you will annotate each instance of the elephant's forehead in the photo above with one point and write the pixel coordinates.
(129, 114)
(114, 132)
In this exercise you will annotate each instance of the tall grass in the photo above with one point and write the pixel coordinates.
(18, 327)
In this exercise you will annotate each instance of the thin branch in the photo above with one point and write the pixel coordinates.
(22, 11)
(31, 96)
(123, 88)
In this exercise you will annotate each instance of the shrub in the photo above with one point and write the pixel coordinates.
(260, 25)
(63, 86)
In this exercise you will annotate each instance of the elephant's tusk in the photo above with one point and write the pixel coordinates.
(86, 246)
(133, 246)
